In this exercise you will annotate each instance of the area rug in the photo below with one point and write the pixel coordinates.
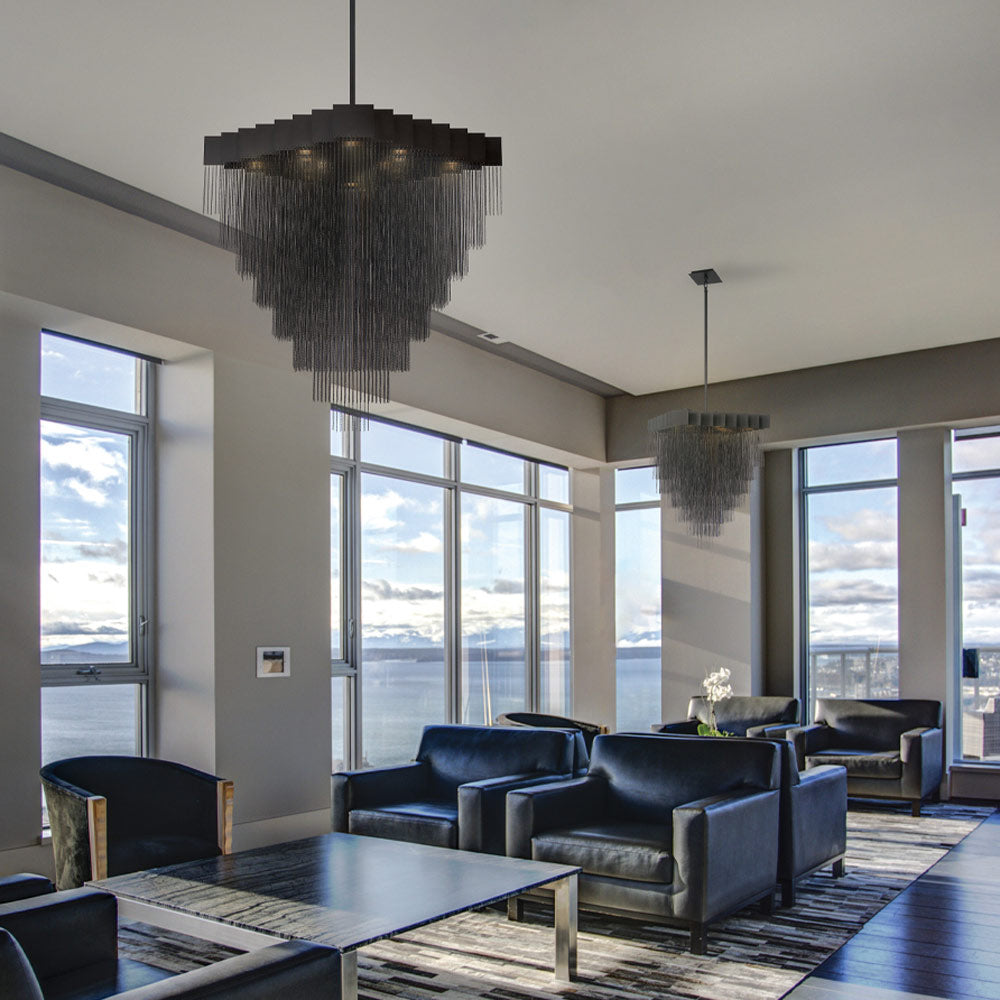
(750, 956)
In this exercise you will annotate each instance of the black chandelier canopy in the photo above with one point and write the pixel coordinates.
(351, 222)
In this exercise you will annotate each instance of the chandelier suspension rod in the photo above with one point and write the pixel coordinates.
(352, 32)
(705, 289)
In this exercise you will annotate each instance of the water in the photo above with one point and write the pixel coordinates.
(400, 697)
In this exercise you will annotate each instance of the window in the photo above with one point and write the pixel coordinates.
(94, 548)
(637, 599)
(976, 478)
(850, 579)
(460, 592)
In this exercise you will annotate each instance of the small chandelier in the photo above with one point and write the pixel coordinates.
(706, 461)
(351, 222)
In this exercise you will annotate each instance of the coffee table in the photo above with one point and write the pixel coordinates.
(340, 890)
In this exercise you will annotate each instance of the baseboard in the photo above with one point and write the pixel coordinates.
(974, 781)
(35, 858)
(264, 832)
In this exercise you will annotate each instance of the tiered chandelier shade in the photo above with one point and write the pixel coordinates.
(706, 461)
(351, 222)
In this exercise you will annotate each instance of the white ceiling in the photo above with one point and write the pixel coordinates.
(837, 161)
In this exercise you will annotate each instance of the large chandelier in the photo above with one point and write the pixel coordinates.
(706, 461)
(351, 222)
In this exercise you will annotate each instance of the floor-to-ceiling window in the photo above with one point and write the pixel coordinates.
(637, 599)
(850, 570)
(976, 478)
(450, 583)
(94, 548)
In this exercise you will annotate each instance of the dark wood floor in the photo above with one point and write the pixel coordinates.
(938, 938)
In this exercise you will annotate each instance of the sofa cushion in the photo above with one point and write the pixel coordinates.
(432, 823)
(861, 763)
(17, 980)
(135, 854)
(637, 851)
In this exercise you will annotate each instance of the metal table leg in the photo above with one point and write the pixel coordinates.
(565, 920)
(349, 975)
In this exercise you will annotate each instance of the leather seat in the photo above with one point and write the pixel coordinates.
(892, 748)
(454, 793)
(639, 851)
(589, 731)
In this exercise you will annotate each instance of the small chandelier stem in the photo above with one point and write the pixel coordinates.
(705, 289)
(353, 72)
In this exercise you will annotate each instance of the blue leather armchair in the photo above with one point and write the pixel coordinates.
(892, 749)
(764, 715)
(454, 793)
(64, 946)
(660, 826)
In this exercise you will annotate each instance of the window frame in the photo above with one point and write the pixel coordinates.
(621, 508)
(352, 466)
(138, 428)
(804, 492)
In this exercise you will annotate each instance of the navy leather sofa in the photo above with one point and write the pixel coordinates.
(661, 827)
(454, 793)
(64, 946)
(892, 749)
(741, 716)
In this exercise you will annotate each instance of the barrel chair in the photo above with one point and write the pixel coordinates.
(113, 815)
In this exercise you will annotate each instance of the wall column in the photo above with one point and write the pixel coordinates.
(711, 606)
(926, 570)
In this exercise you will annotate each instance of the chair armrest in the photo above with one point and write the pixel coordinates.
(920, 751)
(771, 730)
(79, 832)
(807, 740)
(688, 727)
(63, 931)
(374, 787)
(292, 968)
(482, 809)
(550, 806)
(816, 828)
(23, 886)
(714, 871)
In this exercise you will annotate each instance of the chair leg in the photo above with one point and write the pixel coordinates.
(698, 942)
(767, 904)
(915, 805)
(787, 892)
(515, 908)
(838, 868)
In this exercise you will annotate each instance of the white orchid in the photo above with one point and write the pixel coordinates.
(717, 685)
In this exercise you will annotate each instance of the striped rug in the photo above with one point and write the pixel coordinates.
(750, 956)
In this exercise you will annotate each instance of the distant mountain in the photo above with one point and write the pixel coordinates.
(87, 652)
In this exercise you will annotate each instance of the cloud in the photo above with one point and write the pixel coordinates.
(115, 579)
(501, 586)
(114, 551)
(867, 525)
(378, 510)
(425, 542)
(841, 592)
(859, 555)
(84, 463)
(69, 627)
(383, 590)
